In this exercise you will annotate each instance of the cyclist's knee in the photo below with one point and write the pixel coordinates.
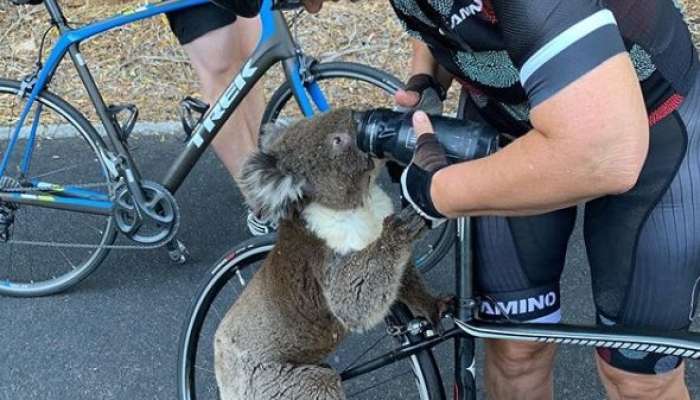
(633, 374)
(216, 56)
(630, 385)
(635, 361)
(216, 73)
(516, 359)
(639, 362)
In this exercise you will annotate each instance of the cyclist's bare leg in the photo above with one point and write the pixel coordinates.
(623, 385)
(216, 57)
(519, 370)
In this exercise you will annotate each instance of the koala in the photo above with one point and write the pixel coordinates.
(342, 258)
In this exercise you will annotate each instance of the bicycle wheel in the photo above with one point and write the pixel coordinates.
(360, 87)
(414, 378)
(65, 153)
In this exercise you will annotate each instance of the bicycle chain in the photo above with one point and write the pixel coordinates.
(91, 246)
(85, 245)
(48, 188)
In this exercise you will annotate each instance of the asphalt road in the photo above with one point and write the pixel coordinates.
(115, 335)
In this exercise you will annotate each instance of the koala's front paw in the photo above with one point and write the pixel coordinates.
(433, 310)
(405, 225)
(444, 306)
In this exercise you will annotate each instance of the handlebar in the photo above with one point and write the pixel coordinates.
(244, 8)
(23, 2)
(288, 4)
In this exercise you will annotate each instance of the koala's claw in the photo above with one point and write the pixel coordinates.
(436, 310)
(446, 305)
(407, 224)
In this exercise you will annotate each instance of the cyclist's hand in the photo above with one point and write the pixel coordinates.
(422, 92)
(313, 6)
(428, 158)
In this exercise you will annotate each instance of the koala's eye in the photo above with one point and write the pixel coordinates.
(340, 141)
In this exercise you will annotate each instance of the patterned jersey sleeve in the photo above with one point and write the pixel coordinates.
(410, 16)
(554, 42)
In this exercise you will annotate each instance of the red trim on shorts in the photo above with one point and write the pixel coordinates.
(667, 107)
(469, 87)
(488, 12)
(605, 354)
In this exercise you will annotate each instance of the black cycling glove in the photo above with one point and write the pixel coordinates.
(420, 82)
(431, 93)
(428, 158)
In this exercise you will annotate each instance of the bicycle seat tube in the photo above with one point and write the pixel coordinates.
(465, 381)
(276, 44)
(69, 40)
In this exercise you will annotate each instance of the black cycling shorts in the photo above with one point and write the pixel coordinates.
(643, 247)
(195, 22)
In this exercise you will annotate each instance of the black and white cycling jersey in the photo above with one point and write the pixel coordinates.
(520, 52)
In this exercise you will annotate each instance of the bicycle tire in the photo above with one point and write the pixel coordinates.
(88, 133)
(424, 261)
(243, 256)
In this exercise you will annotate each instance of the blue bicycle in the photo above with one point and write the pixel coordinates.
(67, 190)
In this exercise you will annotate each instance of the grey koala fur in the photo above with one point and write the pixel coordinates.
(341, 260)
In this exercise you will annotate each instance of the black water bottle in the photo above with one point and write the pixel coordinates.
(384, 133)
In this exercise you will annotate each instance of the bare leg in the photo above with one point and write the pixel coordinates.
(216, 58)
(519, 370)
(623, 385)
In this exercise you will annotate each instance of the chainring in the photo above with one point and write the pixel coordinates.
(146, 230)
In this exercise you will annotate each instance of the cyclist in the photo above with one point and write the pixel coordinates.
(588, 133)
(603, 100)
(217, 42)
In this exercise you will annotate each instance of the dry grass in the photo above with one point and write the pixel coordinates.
(143, 64)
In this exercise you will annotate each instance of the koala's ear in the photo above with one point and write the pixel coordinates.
(269, 133)
(269, 191)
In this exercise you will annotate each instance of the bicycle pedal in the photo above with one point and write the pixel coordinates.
(7, 218)
(177, 252)
(124, 117)
(192, 111)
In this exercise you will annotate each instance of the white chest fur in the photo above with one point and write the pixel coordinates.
(350, 230)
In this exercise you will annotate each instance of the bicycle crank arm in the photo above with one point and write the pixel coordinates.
(98, 207)
(682, 344)
(153, 219)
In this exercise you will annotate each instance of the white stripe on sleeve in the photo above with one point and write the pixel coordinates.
(565, 39)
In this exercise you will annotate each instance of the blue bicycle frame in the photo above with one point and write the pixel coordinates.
(275, 45)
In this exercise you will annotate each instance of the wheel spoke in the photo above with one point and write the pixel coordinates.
(66, 257)
(59, 170)
(380, 383)
(83, 223)
(364, 353)
(68, 159)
